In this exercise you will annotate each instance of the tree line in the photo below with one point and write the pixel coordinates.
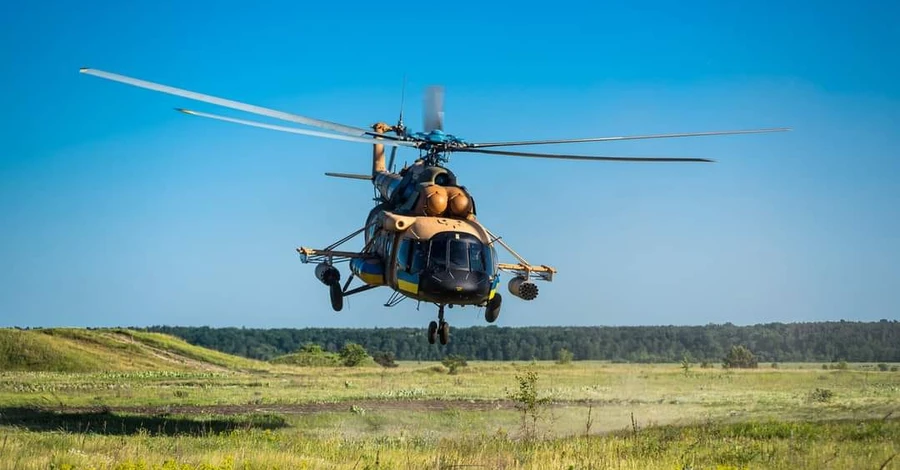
(771, 342)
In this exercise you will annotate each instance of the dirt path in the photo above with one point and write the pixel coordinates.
(307, 408)
(164, 355)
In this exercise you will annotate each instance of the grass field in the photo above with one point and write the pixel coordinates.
(165, 404)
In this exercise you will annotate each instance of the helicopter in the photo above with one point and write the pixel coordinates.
(422, 239)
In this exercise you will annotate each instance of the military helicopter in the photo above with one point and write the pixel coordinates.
(422, 239)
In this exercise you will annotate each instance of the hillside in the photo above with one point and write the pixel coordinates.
(83, 350)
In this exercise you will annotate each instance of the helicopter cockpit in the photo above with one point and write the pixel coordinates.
(455, 267)
(459, 252)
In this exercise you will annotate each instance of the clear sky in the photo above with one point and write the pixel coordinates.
(116, 210)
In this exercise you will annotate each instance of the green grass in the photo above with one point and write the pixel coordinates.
(418, 416)
(856, 444)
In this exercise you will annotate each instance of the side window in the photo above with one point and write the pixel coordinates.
(418, 257)
(403, 255)
(476, 259)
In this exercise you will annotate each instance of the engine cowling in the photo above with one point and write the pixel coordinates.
(523, 288)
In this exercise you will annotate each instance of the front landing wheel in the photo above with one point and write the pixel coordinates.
(444, 332)
(432, 332)
(492, 310)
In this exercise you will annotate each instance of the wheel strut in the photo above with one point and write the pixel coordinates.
(443, 331)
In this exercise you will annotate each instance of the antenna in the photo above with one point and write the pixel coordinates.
(402, 99)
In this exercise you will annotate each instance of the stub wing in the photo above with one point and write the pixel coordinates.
(311, 255)
(528, 271)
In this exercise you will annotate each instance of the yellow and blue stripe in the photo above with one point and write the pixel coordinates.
(408, 282)
(371, 271)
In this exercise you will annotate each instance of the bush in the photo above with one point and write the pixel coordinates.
(385, 359)
(774, 365)
(883, 367)
(529, 402)
(821, 395)
(739, 358)
(841, 366)
(353, 355)
(565, 356)
(893, 368)
(686, 364)
(453, 362)
(310, 355)
(706, 365)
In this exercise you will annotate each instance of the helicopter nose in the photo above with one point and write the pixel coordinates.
(456, 286)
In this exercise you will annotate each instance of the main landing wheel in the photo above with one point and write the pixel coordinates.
(444, 332)
(432, 332)
(492, 310)
(337, 297)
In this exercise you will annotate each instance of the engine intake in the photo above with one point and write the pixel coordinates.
(523, 288)
(328, 274)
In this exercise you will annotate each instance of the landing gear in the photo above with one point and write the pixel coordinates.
(337, 296)
(492, 310)
(432, 332)
(444, 333)
(439, 330)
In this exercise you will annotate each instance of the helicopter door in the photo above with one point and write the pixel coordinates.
(410, 261)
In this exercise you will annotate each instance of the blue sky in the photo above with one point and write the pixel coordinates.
(116, 210)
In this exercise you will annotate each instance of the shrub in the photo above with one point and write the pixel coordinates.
(883, 367)
(686, 364)
(310, 355)
(453, 362)
(821, 395)
(529, 403)
(385, 359)
(739, 358)
(565, 356)
(353, 354)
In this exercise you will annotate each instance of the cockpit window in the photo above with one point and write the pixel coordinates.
(459, 258)
(438, 257)
(462, 252)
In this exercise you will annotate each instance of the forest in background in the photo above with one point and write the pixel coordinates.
(771, 342)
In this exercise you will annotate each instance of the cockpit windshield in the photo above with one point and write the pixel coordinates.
(459, 255)
(459, 252)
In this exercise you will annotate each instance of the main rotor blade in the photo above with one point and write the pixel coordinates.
(583, 157)
(631, 137)
(434, 109)
(352, 176)
(226, 103)
(294, 130)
